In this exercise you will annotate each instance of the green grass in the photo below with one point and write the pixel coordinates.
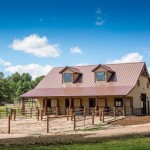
(142, 143)
(96, 127)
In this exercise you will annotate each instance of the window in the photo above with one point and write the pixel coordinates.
(118, 102)
(100, 76)
(67, 77)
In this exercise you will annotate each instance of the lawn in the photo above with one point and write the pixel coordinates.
(142, 143)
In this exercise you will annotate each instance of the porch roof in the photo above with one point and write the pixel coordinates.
(79, 91)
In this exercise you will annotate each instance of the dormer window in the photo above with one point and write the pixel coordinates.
(103, 73)
(100, 76)
(67, 77)
(70, 74)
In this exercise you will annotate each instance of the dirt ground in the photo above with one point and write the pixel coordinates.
(132, 120)
(62, 127)
(56, 125)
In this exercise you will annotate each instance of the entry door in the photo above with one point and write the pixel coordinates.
(143, 104)
(48, 102)
(92, 102)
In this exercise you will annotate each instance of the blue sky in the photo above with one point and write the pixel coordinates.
(36, 35)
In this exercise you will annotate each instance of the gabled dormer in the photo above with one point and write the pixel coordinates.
(70, 74)
(103, 73)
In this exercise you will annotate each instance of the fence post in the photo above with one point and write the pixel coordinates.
(84, 115)
(38, 114)
(47, 124)
(26, 111)
(100, 114)
(85, 112)
(41, 114)
(74, 117)
(114, 112)
(6, 112)
(56, 111)
(93, 117)
(103, 115)
(31, 112)
(9, 124)
(67, 111)
(14, 114)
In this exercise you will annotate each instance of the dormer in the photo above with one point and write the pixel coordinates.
(103, 73)
(70, 74)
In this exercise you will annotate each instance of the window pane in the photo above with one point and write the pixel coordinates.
(100, 76)
(118, 102)
(67, 77)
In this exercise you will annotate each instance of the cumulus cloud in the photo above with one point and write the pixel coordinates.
(81, 64)
(37, 46)
(34, 70)
(130, 57)
(4, 63)
(75, 50)
(99, 19)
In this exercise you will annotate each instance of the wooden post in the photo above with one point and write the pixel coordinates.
(103, 115)
(23, 106)
(70, 102)
(84, 111)
(70, 113)
(26, 113)
(9, 124)
(47, 124)
(124, 105)
(56, 111)
(74, 117)
(38, 114)
(14, 114)
(67, 112)
(41, 114)
(100, 114)
(6, 112)
(84, 115)
(114, 112)
(31, 112)
(93, 117)
(11, 114)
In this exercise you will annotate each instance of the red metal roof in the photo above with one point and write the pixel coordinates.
(75, 70)
(124, 79)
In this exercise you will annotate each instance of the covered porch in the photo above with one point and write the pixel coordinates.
(123, 105)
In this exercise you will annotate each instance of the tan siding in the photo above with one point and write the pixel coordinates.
(138, 90)
(76, 102)
(39, 102)
(53, 102)
(101, 102)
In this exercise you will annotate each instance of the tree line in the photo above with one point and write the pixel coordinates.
(12, 87)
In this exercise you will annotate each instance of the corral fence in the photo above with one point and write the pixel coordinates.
(77, 115)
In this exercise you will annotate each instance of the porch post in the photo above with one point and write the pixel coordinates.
(124, 106)
(70, 102)
(45, 103)
(96, 103)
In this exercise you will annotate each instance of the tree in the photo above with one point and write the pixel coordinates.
(1, 75)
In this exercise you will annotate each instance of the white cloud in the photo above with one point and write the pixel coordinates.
(75, 50)
(4, 63)
(130, 57)
(81, 64)
(99, 19)
(34, 70)
(37, 46)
